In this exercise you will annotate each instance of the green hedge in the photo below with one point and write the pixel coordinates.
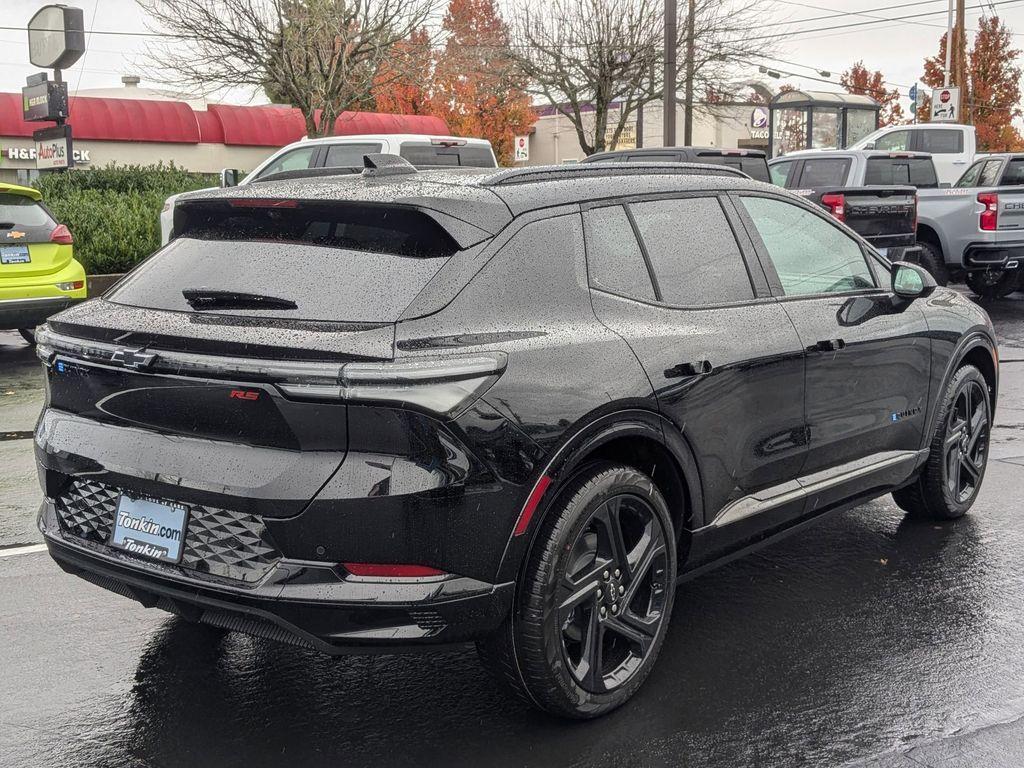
(114, 212)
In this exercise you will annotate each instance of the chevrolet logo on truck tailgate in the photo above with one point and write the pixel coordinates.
(135, 359)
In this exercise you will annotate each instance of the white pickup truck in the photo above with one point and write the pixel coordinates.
(974, 231)
(952, 146)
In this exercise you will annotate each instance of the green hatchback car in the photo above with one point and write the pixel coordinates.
(38, 272)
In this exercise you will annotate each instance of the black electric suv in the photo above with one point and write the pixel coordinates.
(516, 407)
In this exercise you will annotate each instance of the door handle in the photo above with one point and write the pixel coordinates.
(696, 368)
(828, 345)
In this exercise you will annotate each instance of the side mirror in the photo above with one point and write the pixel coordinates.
(911, 281)
(945, 185)
(229, 177)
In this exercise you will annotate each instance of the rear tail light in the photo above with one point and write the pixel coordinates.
(391, 571)
(76, 285)
(836, 205)
(443, 385)
(61, 235)
(989, 219)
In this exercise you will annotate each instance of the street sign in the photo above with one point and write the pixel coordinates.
(945, 105)
(56, 37)
(44, 101)
(912, 94)
(522, 149)
(53, 148)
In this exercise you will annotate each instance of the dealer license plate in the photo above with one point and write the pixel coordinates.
(150, 529)
(14, 254)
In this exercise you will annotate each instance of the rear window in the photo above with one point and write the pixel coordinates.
(341, 262)
(1014, 174)
(21, 211)
(825, 172)
(468, 156)
(916, 171)
(755, 167)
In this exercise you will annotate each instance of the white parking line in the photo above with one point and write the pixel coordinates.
(28, 550)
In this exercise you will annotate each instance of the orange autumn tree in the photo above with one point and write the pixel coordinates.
(991, 96)
(401, 84)
(478, 90)
(859, 80)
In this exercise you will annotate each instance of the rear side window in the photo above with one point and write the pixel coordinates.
(614, 258)
(990, 174)
(781, 172)
(340, 262)
(916, 171)
(1014, 174)
(21, 211)
(755, 167)
(825, 172)
(467, 156)
(940, 142)
(693, 252)
(349, 155)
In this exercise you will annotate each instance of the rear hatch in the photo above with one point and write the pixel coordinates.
(211, 374)
(25, 231)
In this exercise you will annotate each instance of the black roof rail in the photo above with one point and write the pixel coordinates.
(596, 170)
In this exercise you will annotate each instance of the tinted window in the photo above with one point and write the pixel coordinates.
(825, 172)
(650, 157)
(990, 174)
(810, 255)
(614, 258)
(693, 251)
(897, 141)
(780, 172)
(755, 167)
(916, 171)
(296, 160)
(21, 211)
(341, 155)
(970, 177)
(335, 262)
(469, 156)
(1014, 173)
(940, 142)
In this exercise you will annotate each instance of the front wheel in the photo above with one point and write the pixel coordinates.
(595, 597)
(951, 478)
(990, 284)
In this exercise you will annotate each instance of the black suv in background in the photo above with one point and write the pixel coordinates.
(513, 407)
(752, 162)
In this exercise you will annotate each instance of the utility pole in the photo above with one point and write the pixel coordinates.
(960, 69)
(668, 96)
(949, 45)
(688, 82)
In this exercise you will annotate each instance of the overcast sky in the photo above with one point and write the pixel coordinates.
(897, 48)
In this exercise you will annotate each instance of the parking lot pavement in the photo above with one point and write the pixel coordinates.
(867, 641)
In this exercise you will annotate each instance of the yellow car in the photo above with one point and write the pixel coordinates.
(38, 273)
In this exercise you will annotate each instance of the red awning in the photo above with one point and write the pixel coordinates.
(175, 122)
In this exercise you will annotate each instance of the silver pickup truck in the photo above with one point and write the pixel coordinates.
(974, 230)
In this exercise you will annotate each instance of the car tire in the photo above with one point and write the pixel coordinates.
(588, 593)
(28, 334)
(951, 478)
(931, 259)
(988, 284)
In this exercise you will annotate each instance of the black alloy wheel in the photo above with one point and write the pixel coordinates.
(595, 596)
(966, 445)
(950, 480)
(611, 598)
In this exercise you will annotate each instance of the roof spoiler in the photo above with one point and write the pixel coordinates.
(379, 164)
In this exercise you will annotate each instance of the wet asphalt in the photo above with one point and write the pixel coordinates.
(867, 641)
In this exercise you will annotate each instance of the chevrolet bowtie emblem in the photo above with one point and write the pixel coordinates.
(135, 359)
(14, 234)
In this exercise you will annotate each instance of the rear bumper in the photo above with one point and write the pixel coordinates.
(297, 602)
(993, 256)
(28, 313)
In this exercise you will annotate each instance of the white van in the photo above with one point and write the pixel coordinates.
(951, 145)
(348, 151)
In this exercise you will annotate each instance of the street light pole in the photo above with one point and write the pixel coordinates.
(668, 98)
(688, 84)
(949, 44)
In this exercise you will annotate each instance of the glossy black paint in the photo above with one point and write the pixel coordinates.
(745, 417)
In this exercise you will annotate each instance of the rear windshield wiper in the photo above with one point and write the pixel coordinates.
(204, 298)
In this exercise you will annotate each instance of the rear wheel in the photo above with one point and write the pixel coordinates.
(28, 334)
(931, 259)
(595, 598)
(951, 479)
(992, 284)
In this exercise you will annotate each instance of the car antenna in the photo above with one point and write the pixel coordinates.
(379, 164)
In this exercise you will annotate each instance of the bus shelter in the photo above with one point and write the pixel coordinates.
(802, 119)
